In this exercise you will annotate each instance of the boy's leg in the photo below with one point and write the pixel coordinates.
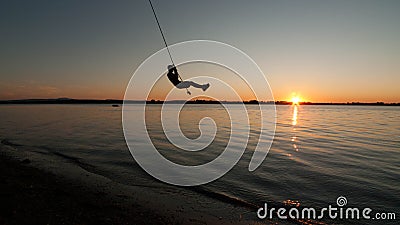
(187, 84)
(183, 84)
(194, 84)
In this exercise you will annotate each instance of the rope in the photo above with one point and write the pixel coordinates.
(165, 42)
(162, 33)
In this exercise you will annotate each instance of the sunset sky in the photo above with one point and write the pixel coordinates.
(323, 51)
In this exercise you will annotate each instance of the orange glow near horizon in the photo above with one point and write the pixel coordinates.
(295, 100)
(32, 90)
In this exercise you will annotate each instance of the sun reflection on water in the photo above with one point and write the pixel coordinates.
(294, 123)
(294, 118)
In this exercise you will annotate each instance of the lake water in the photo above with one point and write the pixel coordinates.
(319, 152)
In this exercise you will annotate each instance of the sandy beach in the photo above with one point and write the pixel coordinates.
(46, 190)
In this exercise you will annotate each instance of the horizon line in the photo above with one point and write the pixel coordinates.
(200, 101)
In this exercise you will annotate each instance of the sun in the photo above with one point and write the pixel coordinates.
(295, 100)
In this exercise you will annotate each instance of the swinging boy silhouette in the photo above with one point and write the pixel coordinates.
(173, 76)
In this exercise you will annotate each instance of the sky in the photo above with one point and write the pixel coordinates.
(323, 51)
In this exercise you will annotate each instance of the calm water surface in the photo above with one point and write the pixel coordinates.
(318, 154)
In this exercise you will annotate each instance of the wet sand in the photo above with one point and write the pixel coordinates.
(32, 196)
(37, 190)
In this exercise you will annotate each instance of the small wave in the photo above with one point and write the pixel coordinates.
(9, 143)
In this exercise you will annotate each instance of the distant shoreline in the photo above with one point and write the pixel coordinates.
(117, 101)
